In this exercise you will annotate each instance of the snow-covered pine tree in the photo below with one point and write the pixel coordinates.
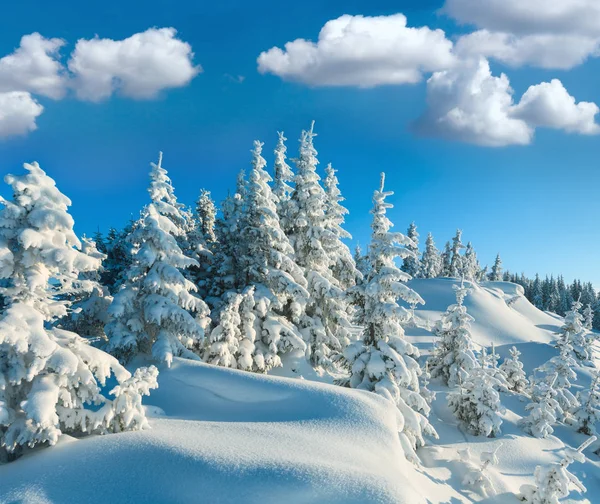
(207, 215)
(431, 262)
(266, 263)
(118, 257)
(318, 248)
(446, 260)
(553, 483)
(412, 264)
(588, 316)
(476, 403)
(453, 358)
(543, 409)
(470, 264)
(576, 335)
(587, 415)
(477, 476)
(88, 313)
(283, 176)
(382, 361)
(559, 370)
(152, 313)
(512, 368)
(223, 343)
(50, 378)
(496, 273)
(456, 260)
(342, 265)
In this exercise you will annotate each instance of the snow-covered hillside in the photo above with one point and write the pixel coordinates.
(224, 436)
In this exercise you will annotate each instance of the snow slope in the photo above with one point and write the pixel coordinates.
(229, 436)
(223, 436)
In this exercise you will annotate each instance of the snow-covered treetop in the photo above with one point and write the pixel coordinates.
(161, 191)
(386, 246)
(334, 209)
(207, 214)
(38, 245)
(283, 174)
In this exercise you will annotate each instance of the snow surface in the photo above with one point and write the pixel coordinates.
(225, 436)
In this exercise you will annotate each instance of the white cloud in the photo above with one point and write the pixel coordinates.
(361, 51)
(137, 67)
(469, 104)
(545, 33)
(562, 51)
(550, 105)
(34, 67)
(525, 17)
(18, 112)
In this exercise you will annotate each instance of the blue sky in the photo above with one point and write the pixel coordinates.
(536, 204)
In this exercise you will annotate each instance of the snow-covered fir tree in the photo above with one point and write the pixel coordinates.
(588, 317)
(553, 483)
(453, 358)
(512, 368)
(207, 214)
(118, 257)
(470, 264)
(431, 262)
(576, 335)
(446, 259)
(318, 250)
(157, 311)
(283, 176)
(88, 314)
(51, 379)
(476, 403)
(559, 370)
(412, 264)
(456, 259)
(496, 273)
(543, 409)
(343, 267)
(267, 265)
(477, 476)
(382, 361)
(587, 415)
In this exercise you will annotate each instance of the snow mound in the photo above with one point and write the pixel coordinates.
(503, 315)
(228, 436)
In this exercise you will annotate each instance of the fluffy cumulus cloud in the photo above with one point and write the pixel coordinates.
(361, 51)
(34, 67)
(137, 67)
(469, 104)
(550, 105)
(545, 33)
(18, 112)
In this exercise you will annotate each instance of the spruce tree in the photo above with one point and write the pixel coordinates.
(266, 265)
(446, 261)
(342, 265)
(512, 368)
(587, 415)
(431, 262)
(412, 264)
(453, 358)
(496, 274)
(318, 250)
(51, 379)
(152, 313)
(283, 177)
(382, 361)
(456, 260)
(576, 335)
(206, 213)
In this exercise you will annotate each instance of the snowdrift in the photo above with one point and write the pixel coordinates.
(503, 315)
(227, 436)
(223, 436)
